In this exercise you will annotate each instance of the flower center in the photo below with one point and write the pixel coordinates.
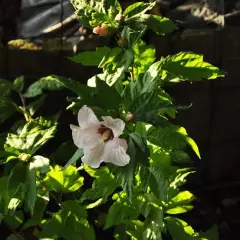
(107, 133)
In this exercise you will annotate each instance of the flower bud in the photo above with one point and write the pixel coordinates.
(97, 30)
(129, 117)
(122, 18)
(24, 157)
(101, 31)
(122, 42)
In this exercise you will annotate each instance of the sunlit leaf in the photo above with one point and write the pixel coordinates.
(61, 179)
(103, 185)
(70, 223)
(159, 25)
(33, 135)
(138, 8)
(188, 66)
(180, 203)
(92, 58)
(179, 229)
(132, 36)
(92, 13)
(121, 210)
(144, 56)
(115, 63)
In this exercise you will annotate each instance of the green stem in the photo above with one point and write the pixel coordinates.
(24, 106)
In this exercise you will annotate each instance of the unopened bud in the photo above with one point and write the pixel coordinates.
(129, 117)
(122, 18)
(101, 31)
(24, 157)
(97, 30)
(122, 42)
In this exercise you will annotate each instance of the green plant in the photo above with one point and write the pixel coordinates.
(138, 177)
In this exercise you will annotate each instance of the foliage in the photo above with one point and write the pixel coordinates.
(49, 193)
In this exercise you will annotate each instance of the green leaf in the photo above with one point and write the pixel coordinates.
(188, 66)
(180, 203)
(64, 180)
(193, 145)
(35, 105)
(108, 59)
(15, 237)
(16, 185)
(6, 87)
(133, 228)
(126, 174)
(132, 36)
(100, 89)
(160, 173)
(65, 151)
(115, 63)
(121, 210)
(77, 155)
(36, 218)
(171, 138)
(33, 135)
(54, 83)
(41, 164)
(159, 25)
(5, 198)
(92, 13)
(19, 83)
(92, 58)
(31, 191)
(70, 223)
(103, 185)
(49, 83)
(7, 109)
(148, 106)
(14, 221)
(211, 234)
(179, 229)
(144, 56)
(137, 9)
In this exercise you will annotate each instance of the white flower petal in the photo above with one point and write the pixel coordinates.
(88, 137)
(86, 117)
(115, 152)
(93, 157)
(116, 125)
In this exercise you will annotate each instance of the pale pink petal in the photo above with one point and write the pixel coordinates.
(88, 137)
(115, 152)
(116, 125)
(93, 157)
(86, 117)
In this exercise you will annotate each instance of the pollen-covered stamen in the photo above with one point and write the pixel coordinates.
(107, 133)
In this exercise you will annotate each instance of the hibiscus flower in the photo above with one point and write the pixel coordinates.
(100, 140)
